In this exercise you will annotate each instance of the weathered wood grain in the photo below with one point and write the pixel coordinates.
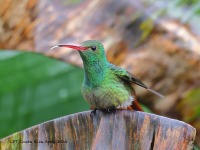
(120, 129)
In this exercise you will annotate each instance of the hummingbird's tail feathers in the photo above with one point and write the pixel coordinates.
(138, 82)
(128, 77)
(158, 94)
(136, 106)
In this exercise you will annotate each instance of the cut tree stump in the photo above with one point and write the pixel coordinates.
(118, 130)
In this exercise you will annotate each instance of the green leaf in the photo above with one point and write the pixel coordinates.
(34, 89)
(190, 105)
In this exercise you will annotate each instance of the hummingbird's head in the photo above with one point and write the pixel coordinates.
(90, 51)
(94, 60)
(95, 51)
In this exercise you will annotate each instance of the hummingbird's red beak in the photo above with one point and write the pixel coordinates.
(76, 47)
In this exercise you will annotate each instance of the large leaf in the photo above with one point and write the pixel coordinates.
(34, 88)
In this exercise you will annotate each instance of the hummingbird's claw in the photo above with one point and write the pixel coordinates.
(93, 112)
(110, 109)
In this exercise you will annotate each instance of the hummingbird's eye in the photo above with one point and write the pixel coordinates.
(93, 48)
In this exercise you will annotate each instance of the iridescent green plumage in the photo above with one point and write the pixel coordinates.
(105, 85)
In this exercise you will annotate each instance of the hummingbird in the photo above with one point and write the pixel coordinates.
(105, 85)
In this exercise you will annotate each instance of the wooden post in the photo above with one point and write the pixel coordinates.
(118, 130)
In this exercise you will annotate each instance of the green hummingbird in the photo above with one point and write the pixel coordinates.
(105, 85)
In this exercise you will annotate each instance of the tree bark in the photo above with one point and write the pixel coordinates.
(120, 129)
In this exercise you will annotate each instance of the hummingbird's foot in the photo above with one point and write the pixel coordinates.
(93, 112)
(110, 109)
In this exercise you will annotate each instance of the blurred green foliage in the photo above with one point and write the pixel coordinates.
(191, 100)
(189, 108)
(176, 9)
(71, 2)
(196, 148)
(34, 89)
(187, 2)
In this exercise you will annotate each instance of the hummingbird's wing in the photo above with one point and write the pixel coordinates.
(125, 75)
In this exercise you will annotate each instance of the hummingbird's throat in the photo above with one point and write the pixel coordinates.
(94, 73)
